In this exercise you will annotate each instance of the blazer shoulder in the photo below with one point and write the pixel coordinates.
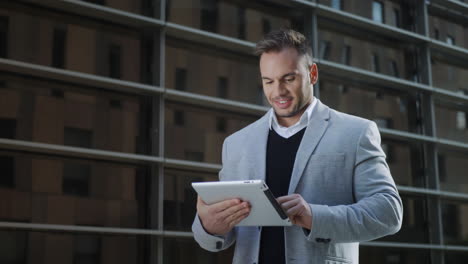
(246, 133)
(349, 121)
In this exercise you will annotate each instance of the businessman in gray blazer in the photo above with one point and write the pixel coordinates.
(327, 169)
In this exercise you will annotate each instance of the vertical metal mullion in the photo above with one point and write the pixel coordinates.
(430, 149)
(162, 83)
(311, 28)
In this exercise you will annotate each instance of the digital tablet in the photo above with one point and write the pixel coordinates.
(265, 210)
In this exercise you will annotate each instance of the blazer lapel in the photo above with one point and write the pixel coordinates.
(316, 128)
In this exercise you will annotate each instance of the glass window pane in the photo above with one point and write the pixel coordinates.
(414, 228)
(58, 248)
(76, 44)
(451, 123)
(141, 7)
(182, 251)
(397, 13)
(371, 54)
(377, 11)
(452, 171)
(57, 113)
(232, 19)
(455, 219)
(180, 198)
(449, 76)
(390, 109)
(448, 31)
(454, 257)
(63, 191)
(371, 255)
(405, 160)
(197, 134)
(224, 75)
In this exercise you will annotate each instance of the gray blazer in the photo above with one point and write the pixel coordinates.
(340, 170)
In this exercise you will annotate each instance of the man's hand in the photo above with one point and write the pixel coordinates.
(297, 209)
(220, 218)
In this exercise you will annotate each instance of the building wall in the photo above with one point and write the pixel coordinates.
(129, 156)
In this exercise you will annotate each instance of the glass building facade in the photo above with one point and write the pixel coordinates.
(109, 109)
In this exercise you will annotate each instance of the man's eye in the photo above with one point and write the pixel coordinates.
(290, 80)
(268, 82)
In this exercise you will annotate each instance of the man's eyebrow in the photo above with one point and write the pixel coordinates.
(282, 77)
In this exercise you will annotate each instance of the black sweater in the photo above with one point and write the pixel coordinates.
(281, 153)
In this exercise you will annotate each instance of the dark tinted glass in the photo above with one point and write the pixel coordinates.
(73, 192)
(371, 255)
(368, 52)
(449, 76)
(415, 227)
(21, 247)
(180, 198)
(229, 18)
(448, 31)
(452, 171)
(197, 134)
(200, 70)
(181, 251)
(75, 43)
(396, 13)
(389, 109)
(57, 113)
(451, 123)
(454, 218)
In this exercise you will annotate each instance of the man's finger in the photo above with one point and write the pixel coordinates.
(286, 198)
(295, 210)
(221, 206)
(289, 204)
(239, 219)
(232, 210)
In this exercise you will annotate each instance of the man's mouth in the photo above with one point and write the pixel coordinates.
(283, 103)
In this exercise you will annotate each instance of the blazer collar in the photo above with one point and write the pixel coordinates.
(316, 128)
(314, 132)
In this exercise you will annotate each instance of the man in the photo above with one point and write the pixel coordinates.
(326, 168)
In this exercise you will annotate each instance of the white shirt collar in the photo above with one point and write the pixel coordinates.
(287, 132)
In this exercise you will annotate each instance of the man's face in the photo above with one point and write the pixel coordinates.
(287, 83)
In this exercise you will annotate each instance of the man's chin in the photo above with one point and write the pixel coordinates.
(284, 113)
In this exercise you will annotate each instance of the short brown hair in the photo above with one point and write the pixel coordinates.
(278, 40)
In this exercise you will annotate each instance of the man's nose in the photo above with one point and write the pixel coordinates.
(280, 88)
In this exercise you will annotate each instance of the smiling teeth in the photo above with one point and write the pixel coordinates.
(282, 102)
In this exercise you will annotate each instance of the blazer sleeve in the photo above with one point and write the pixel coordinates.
(206, 240)
(378, 210)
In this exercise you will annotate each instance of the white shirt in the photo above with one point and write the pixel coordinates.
(287, 132)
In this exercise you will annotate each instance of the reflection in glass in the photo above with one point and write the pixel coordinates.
(414, 228)
(368, 54)
(448, 31)
(42, 189)
(455, 257)
(402, 12)
(180, 199)
(452, 171)
(228, 76)
(448, 76)
(229, 18)
(197, 134)
(378, 11)
(405, 161)
(371, 255)
(48, 112)
(390, 109)
(60, 248)
(77, 44)
(451, 123)
(454, 219)
(182, 251)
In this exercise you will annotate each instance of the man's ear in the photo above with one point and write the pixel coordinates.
(313, 73)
